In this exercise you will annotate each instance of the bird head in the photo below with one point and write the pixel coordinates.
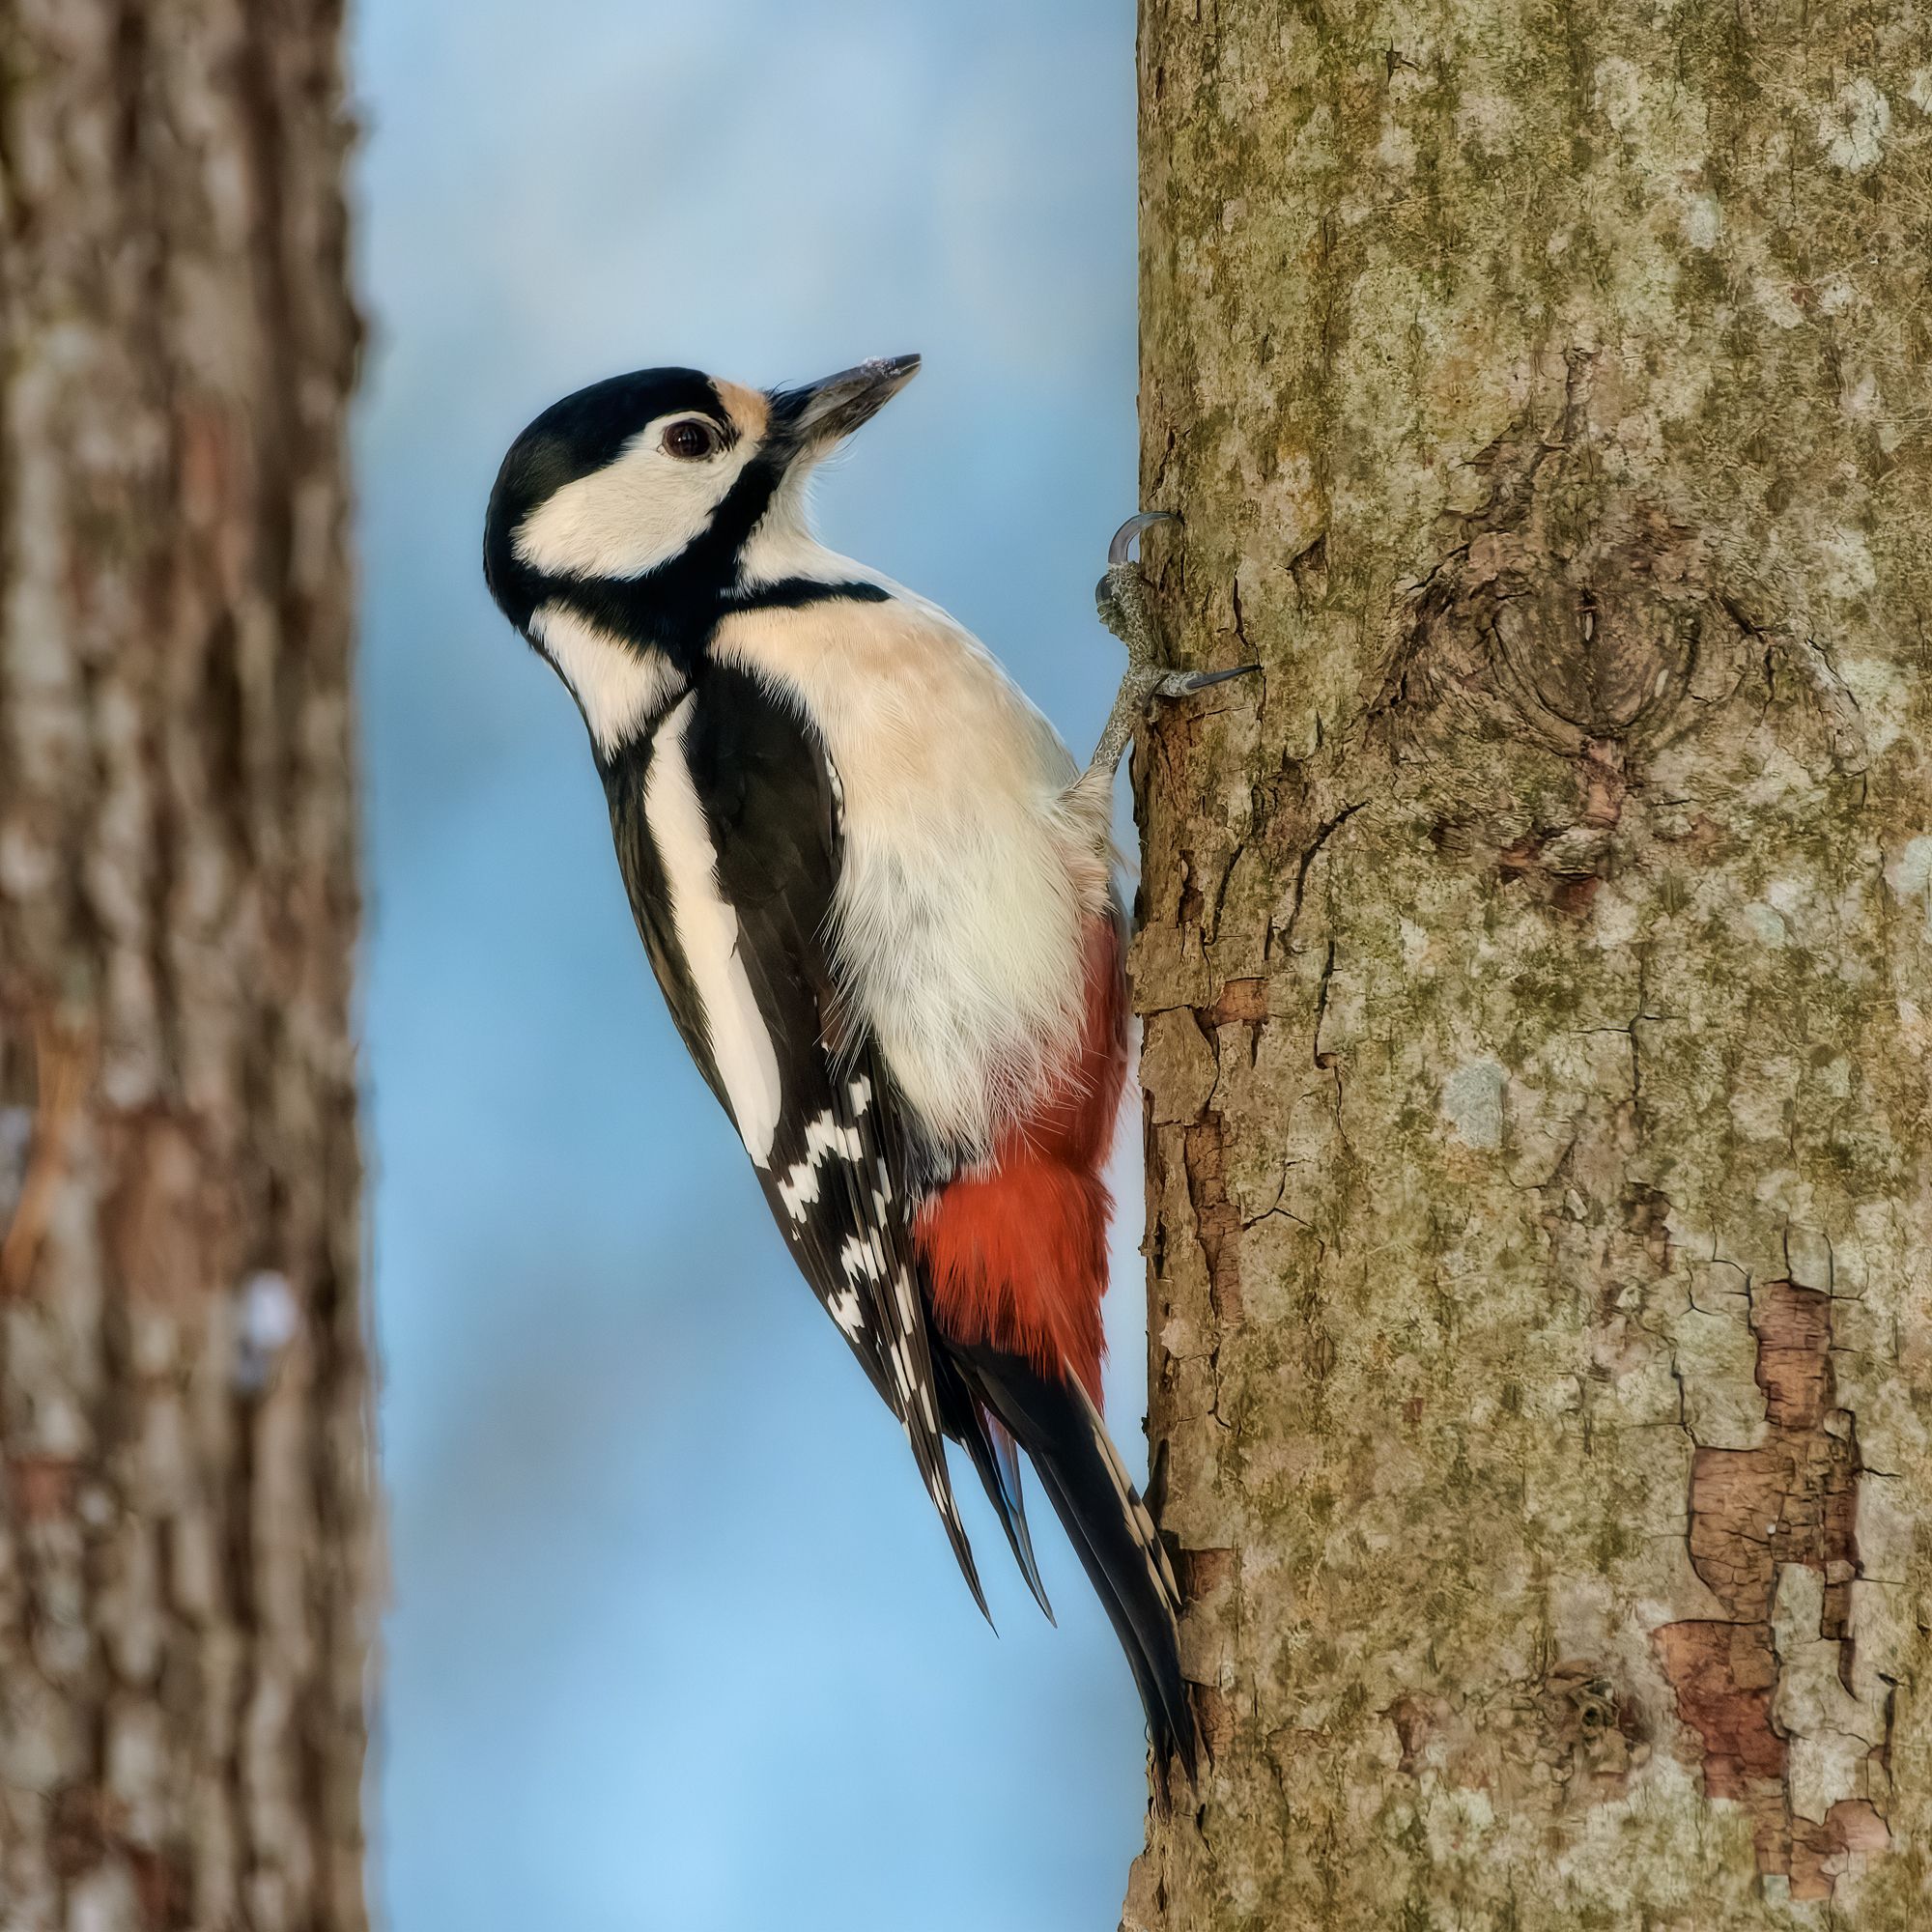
(651, 484)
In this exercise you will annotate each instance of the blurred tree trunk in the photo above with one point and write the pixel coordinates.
(185, 1566)
(1535, 962)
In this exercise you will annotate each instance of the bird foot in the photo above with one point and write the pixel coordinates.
(1127, 608)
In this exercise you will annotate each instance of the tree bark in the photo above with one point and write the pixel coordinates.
(1534, 960)
(184, 1569)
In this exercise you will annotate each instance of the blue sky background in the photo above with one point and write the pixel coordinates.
(676, 1639)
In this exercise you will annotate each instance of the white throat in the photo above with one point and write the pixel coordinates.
(781, 545)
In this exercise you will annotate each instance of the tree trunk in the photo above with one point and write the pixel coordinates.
(185, 1566)
(1535, 960)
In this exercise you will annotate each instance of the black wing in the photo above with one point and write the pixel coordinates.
(834, 1169)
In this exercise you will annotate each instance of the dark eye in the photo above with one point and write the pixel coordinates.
(691, 439)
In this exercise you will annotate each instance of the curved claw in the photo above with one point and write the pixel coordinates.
(1123, 537)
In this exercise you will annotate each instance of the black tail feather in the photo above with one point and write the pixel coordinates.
(1058, 1426)
(1006, 1461)
(991, 1448)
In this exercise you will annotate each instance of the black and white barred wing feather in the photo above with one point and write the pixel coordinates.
(728, 839)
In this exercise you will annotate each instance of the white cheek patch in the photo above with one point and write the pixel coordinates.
(707, 935)
(619, 687)
(638, 512)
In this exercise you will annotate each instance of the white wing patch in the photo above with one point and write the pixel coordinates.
(707, 935)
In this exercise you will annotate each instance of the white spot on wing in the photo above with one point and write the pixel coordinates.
(863, 1255)
(707, 934)
(825, 1135)
(845, 1309)
(799, 1189)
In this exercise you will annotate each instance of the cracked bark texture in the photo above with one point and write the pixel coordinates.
(1534, 960)
(184, 1576)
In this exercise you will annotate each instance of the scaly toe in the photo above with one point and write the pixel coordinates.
(1108, 604)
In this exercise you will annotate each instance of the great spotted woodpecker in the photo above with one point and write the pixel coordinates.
(877, 895)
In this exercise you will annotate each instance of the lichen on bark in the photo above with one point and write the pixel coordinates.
(1533, 961)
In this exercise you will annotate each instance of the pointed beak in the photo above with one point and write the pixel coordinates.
(822, 414)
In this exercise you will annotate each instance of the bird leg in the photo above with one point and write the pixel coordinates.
(1127, 610)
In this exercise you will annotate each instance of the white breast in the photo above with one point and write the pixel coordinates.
(969, 871)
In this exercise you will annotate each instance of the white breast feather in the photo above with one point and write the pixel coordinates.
(969, 868)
